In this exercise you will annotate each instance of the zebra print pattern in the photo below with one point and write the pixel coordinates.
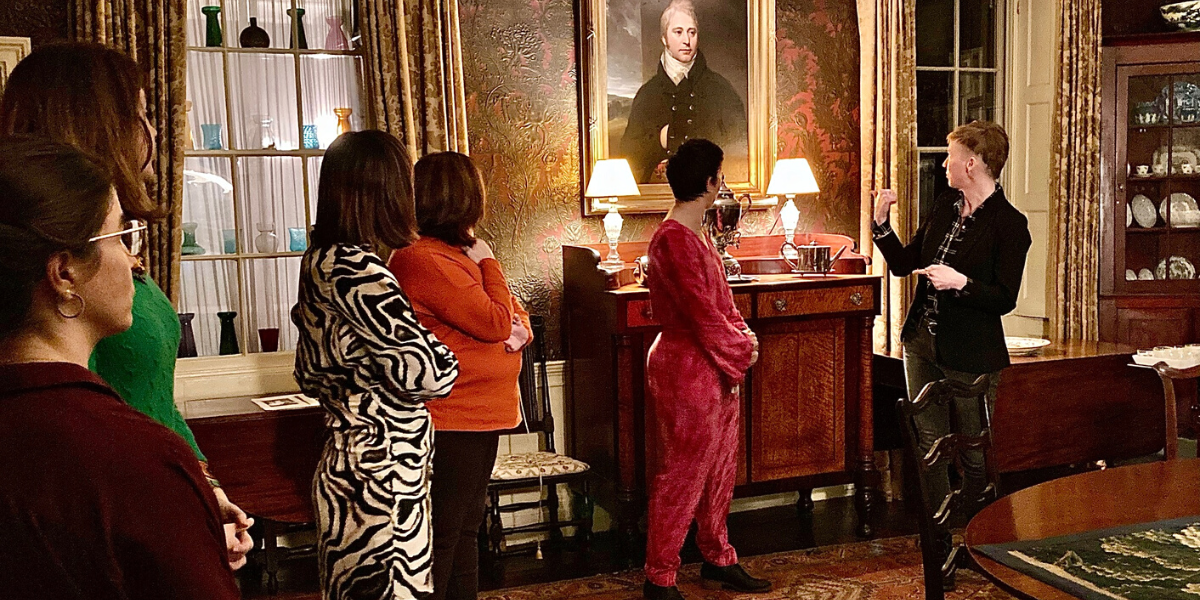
(372, 365)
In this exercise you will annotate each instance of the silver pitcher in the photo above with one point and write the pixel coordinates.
(811, 258)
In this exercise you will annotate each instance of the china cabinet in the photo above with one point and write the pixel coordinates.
(262, 110)
(1150, 222)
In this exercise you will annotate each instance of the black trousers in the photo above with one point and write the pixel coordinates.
(462, 467)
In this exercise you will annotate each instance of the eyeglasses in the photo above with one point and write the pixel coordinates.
(131, 236)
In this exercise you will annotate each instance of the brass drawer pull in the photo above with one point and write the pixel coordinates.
(780, 304)
(856, 298)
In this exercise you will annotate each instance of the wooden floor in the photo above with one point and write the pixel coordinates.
(762, 531)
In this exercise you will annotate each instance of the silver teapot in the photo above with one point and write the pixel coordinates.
(721, 221)
(810, 258)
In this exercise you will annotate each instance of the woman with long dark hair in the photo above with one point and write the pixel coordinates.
(92, 97)
(372, 365)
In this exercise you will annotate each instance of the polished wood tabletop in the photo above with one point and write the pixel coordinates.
(1129, 495)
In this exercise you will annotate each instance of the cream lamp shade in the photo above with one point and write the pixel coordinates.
(611, 178)
(792, 176)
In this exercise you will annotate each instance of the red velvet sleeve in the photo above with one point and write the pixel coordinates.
(680, 267)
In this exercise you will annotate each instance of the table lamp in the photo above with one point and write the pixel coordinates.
(612, 178)
(791, 176)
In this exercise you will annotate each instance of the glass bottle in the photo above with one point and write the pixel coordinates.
(190, 247)
(343, 117)
(336, 38)
(212, 26)
(254, 36)
(229, 340)
(266, 137)
(187, 338)
(264, 242)
(299, 40)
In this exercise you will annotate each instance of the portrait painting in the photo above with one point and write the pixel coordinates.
(657, 73)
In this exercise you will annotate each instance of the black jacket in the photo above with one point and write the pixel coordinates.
(991, 253)
(703, 105)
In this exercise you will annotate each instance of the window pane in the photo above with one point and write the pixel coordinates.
(314, 176)
(271, 292)
(935, 33)
(271, 200)
(263, 97)
(330, 83)
(977, 97)
(209, 287)
(208, 204)
(977, 31)
(209, 128)
(270, 15)
(196, 23)
(935, 93)
(932, 181)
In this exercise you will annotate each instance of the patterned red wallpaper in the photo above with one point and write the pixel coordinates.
(523, 119)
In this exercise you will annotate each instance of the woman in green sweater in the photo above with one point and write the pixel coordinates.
(91, 96)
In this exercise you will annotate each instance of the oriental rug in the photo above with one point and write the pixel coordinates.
(888, 569)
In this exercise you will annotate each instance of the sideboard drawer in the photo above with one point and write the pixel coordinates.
(638, 314)
(815, 301)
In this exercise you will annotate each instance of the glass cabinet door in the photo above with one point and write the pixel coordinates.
(1161, 221)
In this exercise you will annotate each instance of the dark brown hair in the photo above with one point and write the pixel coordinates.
(450, 197)
(88, 96)
(365, 195)
(53, 198)
(986, 139)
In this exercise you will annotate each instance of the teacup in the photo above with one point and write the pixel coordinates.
(1143, 170)
(1160, 169)
(1186, 168)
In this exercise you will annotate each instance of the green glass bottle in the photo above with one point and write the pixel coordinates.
(229, 340)
(212, 29)
(299, 40)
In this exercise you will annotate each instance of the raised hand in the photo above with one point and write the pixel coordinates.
(884, 199)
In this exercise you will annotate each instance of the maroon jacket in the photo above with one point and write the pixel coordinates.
(97, 500)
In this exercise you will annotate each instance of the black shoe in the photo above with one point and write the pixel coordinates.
(658, 592)
(735, 578)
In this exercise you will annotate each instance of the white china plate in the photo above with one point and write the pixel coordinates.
(1184, 212)
(1023, 346)
(1143, 211)
(1145, 275)
(1181, 268)
(1130, 275)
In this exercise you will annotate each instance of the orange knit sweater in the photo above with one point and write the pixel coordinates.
(469, 308)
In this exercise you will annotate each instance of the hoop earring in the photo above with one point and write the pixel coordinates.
(71, 296)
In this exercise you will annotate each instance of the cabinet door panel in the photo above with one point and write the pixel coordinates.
(798, 400)
(1150, 327)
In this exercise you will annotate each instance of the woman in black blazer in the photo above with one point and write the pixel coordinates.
(970, 254)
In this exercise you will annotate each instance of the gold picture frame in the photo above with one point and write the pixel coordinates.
(12, 50)
(761, 145)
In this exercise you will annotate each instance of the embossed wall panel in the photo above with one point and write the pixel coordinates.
(44, 21)
(522, 111)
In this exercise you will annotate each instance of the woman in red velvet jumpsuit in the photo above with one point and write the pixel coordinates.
(694, 371)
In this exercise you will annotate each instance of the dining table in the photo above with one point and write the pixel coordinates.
(1092, 501)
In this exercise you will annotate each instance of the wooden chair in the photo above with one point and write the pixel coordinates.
(543, 470)
(1169, 376)
(939, 555)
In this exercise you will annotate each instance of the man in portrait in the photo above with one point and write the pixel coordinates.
(683, 100)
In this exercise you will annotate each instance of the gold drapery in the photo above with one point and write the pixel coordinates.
(414, 72)
(152, 33)
(1075, 180)
(889, 139)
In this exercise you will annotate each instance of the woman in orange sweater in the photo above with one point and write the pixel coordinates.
(459, 293)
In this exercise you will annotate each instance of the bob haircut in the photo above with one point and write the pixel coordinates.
(365, 195)
(88, 96)
(53, 198)
(693, 165)
(451, 198)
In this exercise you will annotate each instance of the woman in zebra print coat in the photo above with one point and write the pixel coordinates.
(372, 365)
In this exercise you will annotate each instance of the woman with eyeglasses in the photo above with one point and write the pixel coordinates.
(91, 97)
(97, 500)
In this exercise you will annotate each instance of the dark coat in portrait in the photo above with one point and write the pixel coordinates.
(703, 105)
